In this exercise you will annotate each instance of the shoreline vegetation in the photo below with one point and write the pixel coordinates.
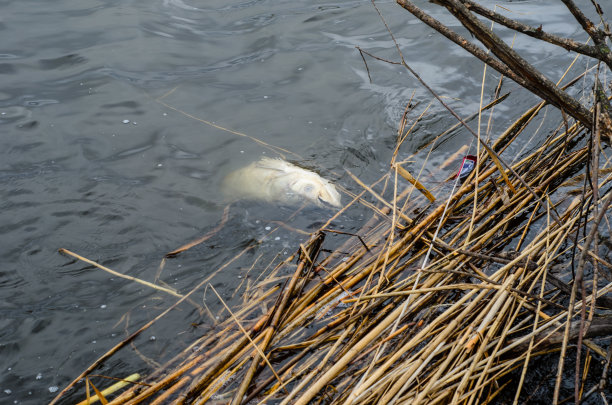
(434, 300)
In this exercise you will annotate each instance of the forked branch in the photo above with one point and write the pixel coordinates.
(509, 62)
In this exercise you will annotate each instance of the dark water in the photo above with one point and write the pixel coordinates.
(93, 161)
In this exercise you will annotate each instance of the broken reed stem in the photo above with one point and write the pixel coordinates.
(116, 273)
(314, 245)
(112, 389)
(258, 350)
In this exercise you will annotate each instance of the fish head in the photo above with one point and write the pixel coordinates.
(317, 190)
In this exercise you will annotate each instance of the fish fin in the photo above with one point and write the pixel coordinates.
(272, 164)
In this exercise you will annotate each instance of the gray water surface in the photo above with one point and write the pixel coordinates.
(119, 120)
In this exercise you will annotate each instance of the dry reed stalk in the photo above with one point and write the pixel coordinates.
(417, 184)
(278, 150)
(118, 274)
(112, 389)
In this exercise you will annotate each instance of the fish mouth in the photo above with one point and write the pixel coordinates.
(323, 203)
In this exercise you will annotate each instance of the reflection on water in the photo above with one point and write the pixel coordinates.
(119, 120)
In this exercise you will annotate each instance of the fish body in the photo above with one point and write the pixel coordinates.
(275, 180)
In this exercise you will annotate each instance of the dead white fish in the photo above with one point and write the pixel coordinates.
(274, 180)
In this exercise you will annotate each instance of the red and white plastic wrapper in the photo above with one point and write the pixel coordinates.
(467, 165)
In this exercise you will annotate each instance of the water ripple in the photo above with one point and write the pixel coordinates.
(184, 72)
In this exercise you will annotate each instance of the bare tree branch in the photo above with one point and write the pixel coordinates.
(517, 69)
(566, 43)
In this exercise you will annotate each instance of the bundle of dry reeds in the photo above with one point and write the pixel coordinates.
(452, 305)
(428, 310)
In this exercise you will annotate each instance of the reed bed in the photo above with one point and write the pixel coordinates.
(445, 302)
(447, 294)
